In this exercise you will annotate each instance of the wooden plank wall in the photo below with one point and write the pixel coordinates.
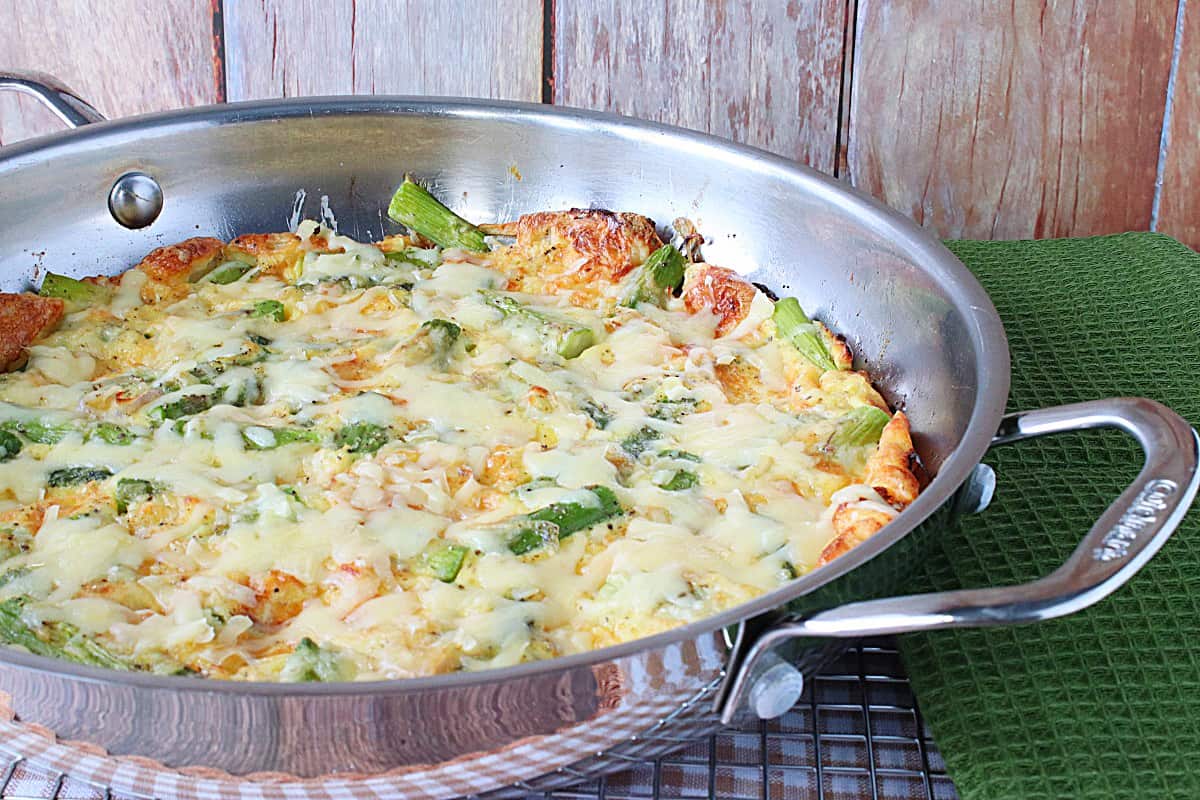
(978, 118)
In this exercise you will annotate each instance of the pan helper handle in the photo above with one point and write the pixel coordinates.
(53, 94)
(1125, 537)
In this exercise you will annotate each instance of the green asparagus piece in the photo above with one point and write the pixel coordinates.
(83, 650)
(531, 536)
(682, 455)
(794, 326)
(416, 209)
(113, 434)
(62, 640)
(12, 574)
(683, 479)
(861, 426)
(73, 476)
(416, 257)
(441, 560)
(73, 291)
(639, 441)
(567, 517)
(657, 279)
(672, 410)
(185, 406)
(310, 663)
(10, 445)
(269, 308)
(434, 342)
(567, 338)
(13, 630)
(228, 272)
(361, 437)
(257, 437)
(37, 432)
(134, 490)
(600, 415)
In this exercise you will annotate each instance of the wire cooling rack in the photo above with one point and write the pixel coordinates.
(856, 734)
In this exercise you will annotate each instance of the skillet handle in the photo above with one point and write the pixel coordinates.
(53, 94)
(1127, 534)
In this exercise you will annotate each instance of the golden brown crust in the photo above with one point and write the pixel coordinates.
(171, 268)
(889, 473)
(837, 347)
(740, 380)
(889, 470)
(583, 245)
(853, 523)
(280, 597)
(24, 318)
(723, 291)
(271, 252)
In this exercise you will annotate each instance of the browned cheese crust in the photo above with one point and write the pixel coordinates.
(581, 246)
(725, 293)
(889, 473)
(271, 252)
(172, 269)
(24, 318)
(740, 381)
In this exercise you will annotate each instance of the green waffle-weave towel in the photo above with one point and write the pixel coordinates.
(1105, 703)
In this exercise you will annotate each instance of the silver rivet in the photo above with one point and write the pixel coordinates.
(136, 200)
(776, 690)
(976, 493)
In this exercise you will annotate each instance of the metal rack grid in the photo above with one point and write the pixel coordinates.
(856, 734)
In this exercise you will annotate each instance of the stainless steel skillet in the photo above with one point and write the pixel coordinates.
(914, 316)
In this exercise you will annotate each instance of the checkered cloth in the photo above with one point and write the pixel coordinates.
(652, 689)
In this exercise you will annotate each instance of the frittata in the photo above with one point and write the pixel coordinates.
(297, 457)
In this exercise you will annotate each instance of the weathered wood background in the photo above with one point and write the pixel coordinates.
(978, 118)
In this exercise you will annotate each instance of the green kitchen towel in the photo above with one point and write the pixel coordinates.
(1105, 703)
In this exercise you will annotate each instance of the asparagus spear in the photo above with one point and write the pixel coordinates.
(639, 441)
(37, 432)
(860, 427)
(311, 663)
(63, 640)
(683, 479)
(228, 272)
(416, 209)
(567, 338)
(433, 342)
(441, 560)
(13, 630)
(73, 476)
(361, 437)
(257, 437)
(657, 278)
(566, 517)
(600, 415)
(794, 326)
(113, 434)
(185, 406)
(10, 445)
(269, 308)
(134, 490)
(73, 291)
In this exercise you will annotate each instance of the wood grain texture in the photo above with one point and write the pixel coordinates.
(1179, 205)
(122, 56)
(988, 119)
(763, 73)
(477, 48)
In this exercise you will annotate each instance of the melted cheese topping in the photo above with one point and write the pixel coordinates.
(286, 474)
